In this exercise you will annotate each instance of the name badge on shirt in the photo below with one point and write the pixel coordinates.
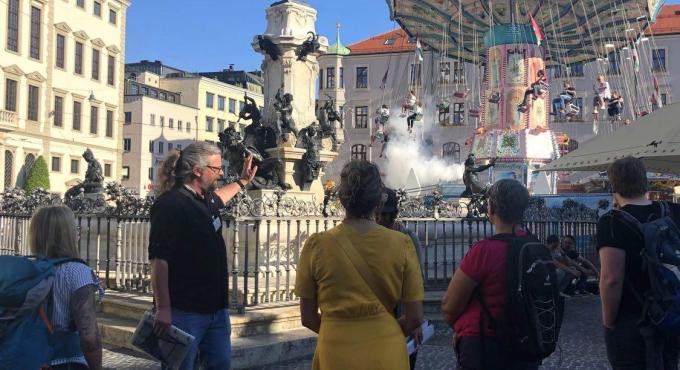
(217, 223)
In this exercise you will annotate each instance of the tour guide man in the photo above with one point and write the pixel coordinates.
(188, 254)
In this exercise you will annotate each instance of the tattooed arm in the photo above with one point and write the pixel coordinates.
(83, 313)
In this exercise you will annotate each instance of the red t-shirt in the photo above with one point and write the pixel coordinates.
(485, 264)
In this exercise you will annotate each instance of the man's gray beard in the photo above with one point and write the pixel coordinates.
(209, 188)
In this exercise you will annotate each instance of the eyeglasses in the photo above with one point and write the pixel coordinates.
(215, 168)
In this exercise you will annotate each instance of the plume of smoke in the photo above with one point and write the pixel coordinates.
(403, 153)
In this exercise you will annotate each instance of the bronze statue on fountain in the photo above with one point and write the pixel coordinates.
(283, 104)
(257, 140)
(328, 116)
(310, 164)
(94, 178)
(474, 188)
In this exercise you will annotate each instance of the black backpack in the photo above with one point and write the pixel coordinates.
(661, 261)
(529, 326)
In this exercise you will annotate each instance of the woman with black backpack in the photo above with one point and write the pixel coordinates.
(478, 303)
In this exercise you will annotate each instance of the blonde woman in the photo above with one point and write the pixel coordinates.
(52, 235)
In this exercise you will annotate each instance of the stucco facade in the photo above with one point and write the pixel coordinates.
(61, 69)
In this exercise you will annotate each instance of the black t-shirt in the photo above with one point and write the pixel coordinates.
(572, 253)
(186, 231)
(611, 232)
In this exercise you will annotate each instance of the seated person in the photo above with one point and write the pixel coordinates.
(602, 94)
(383, 115)
(409, 103)
(615, 106)
(537, 88)
(566, 96)
(415, 115)
(566, 273)
(584, 266)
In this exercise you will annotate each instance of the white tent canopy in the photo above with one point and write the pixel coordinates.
(654, 138)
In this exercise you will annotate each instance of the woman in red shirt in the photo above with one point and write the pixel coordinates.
(483, 271)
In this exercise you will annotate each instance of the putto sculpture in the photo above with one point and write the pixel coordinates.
(283, 104)
(310, 45)
(310, 164)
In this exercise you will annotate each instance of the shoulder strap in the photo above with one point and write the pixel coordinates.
(628, 220)
(61, 261)
(362, 268)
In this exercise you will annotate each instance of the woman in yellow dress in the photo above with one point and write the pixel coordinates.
(357, 330)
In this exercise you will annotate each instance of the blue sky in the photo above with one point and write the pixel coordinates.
(205, 35)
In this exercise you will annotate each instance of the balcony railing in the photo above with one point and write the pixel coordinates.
(8, 120)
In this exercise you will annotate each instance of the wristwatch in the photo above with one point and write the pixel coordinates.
(240, 184)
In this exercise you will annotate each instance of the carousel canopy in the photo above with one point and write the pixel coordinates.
(574, 30)
(655, 138)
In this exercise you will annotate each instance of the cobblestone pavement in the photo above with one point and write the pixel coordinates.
(581, 346)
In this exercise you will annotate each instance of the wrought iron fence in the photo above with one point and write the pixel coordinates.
(264, 237)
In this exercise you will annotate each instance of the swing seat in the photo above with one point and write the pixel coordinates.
(459, 94)
(572, 110)
(474, 113)
(418, 117)
(379, 135)
(443, 107)
(523, 108)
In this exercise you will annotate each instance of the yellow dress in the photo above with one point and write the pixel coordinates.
(357, 333)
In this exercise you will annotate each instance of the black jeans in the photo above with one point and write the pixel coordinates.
(626, 349)
(471, 356)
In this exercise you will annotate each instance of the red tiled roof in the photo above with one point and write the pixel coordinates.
(376, 44)
(667, 22)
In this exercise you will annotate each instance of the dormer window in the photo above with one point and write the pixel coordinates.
(389, 42)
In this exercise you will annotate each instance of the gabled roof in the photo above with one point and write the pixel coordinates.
(667, 22)
(379, 45)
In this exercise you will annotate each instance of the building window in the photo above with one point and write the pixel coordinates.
(94, 119)
(169, 147)
(458, 113)
(36, 21)
(127, 144)
(78, 60)
(111, 70)
(445, 71)
(209, 100)
(126, 173)
(145, 90)
(362, 78)
(160, 147)
(576, 69)
(75, 166)
(330, 78)
(113, 16)
(151, 173)
(179, 125)
(134, 89)
(128, 118)
(614, 63)
(97, 9)
(358, 152)
(361, 117)
(152, 119)
(13, 25)
(107, 169)
(33, 100)
(56, 164)
(163, 96)
(664, 99)
(95, 64)
(109, 123)
(321, 79)
(162, 121)
(390, 41)
(179, 146)
(188, 126)
(80, 3)
(58, 111)
(232, 106)
(220, 125)
(77, 112)
(10, 95)
(416, 74)
(341, 78)
(220, 103)
(209, 124)
(9, 166)
(61, 51)
(171, 123)
(150, 146)
(659, 60)
(451, 150)
(241, 105)
(458, 72)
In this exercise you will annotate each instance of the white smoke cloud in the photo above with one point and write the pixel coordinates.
(404, 153)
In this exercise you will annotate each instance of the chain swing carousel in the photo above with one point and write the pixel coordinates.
(521, 40)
